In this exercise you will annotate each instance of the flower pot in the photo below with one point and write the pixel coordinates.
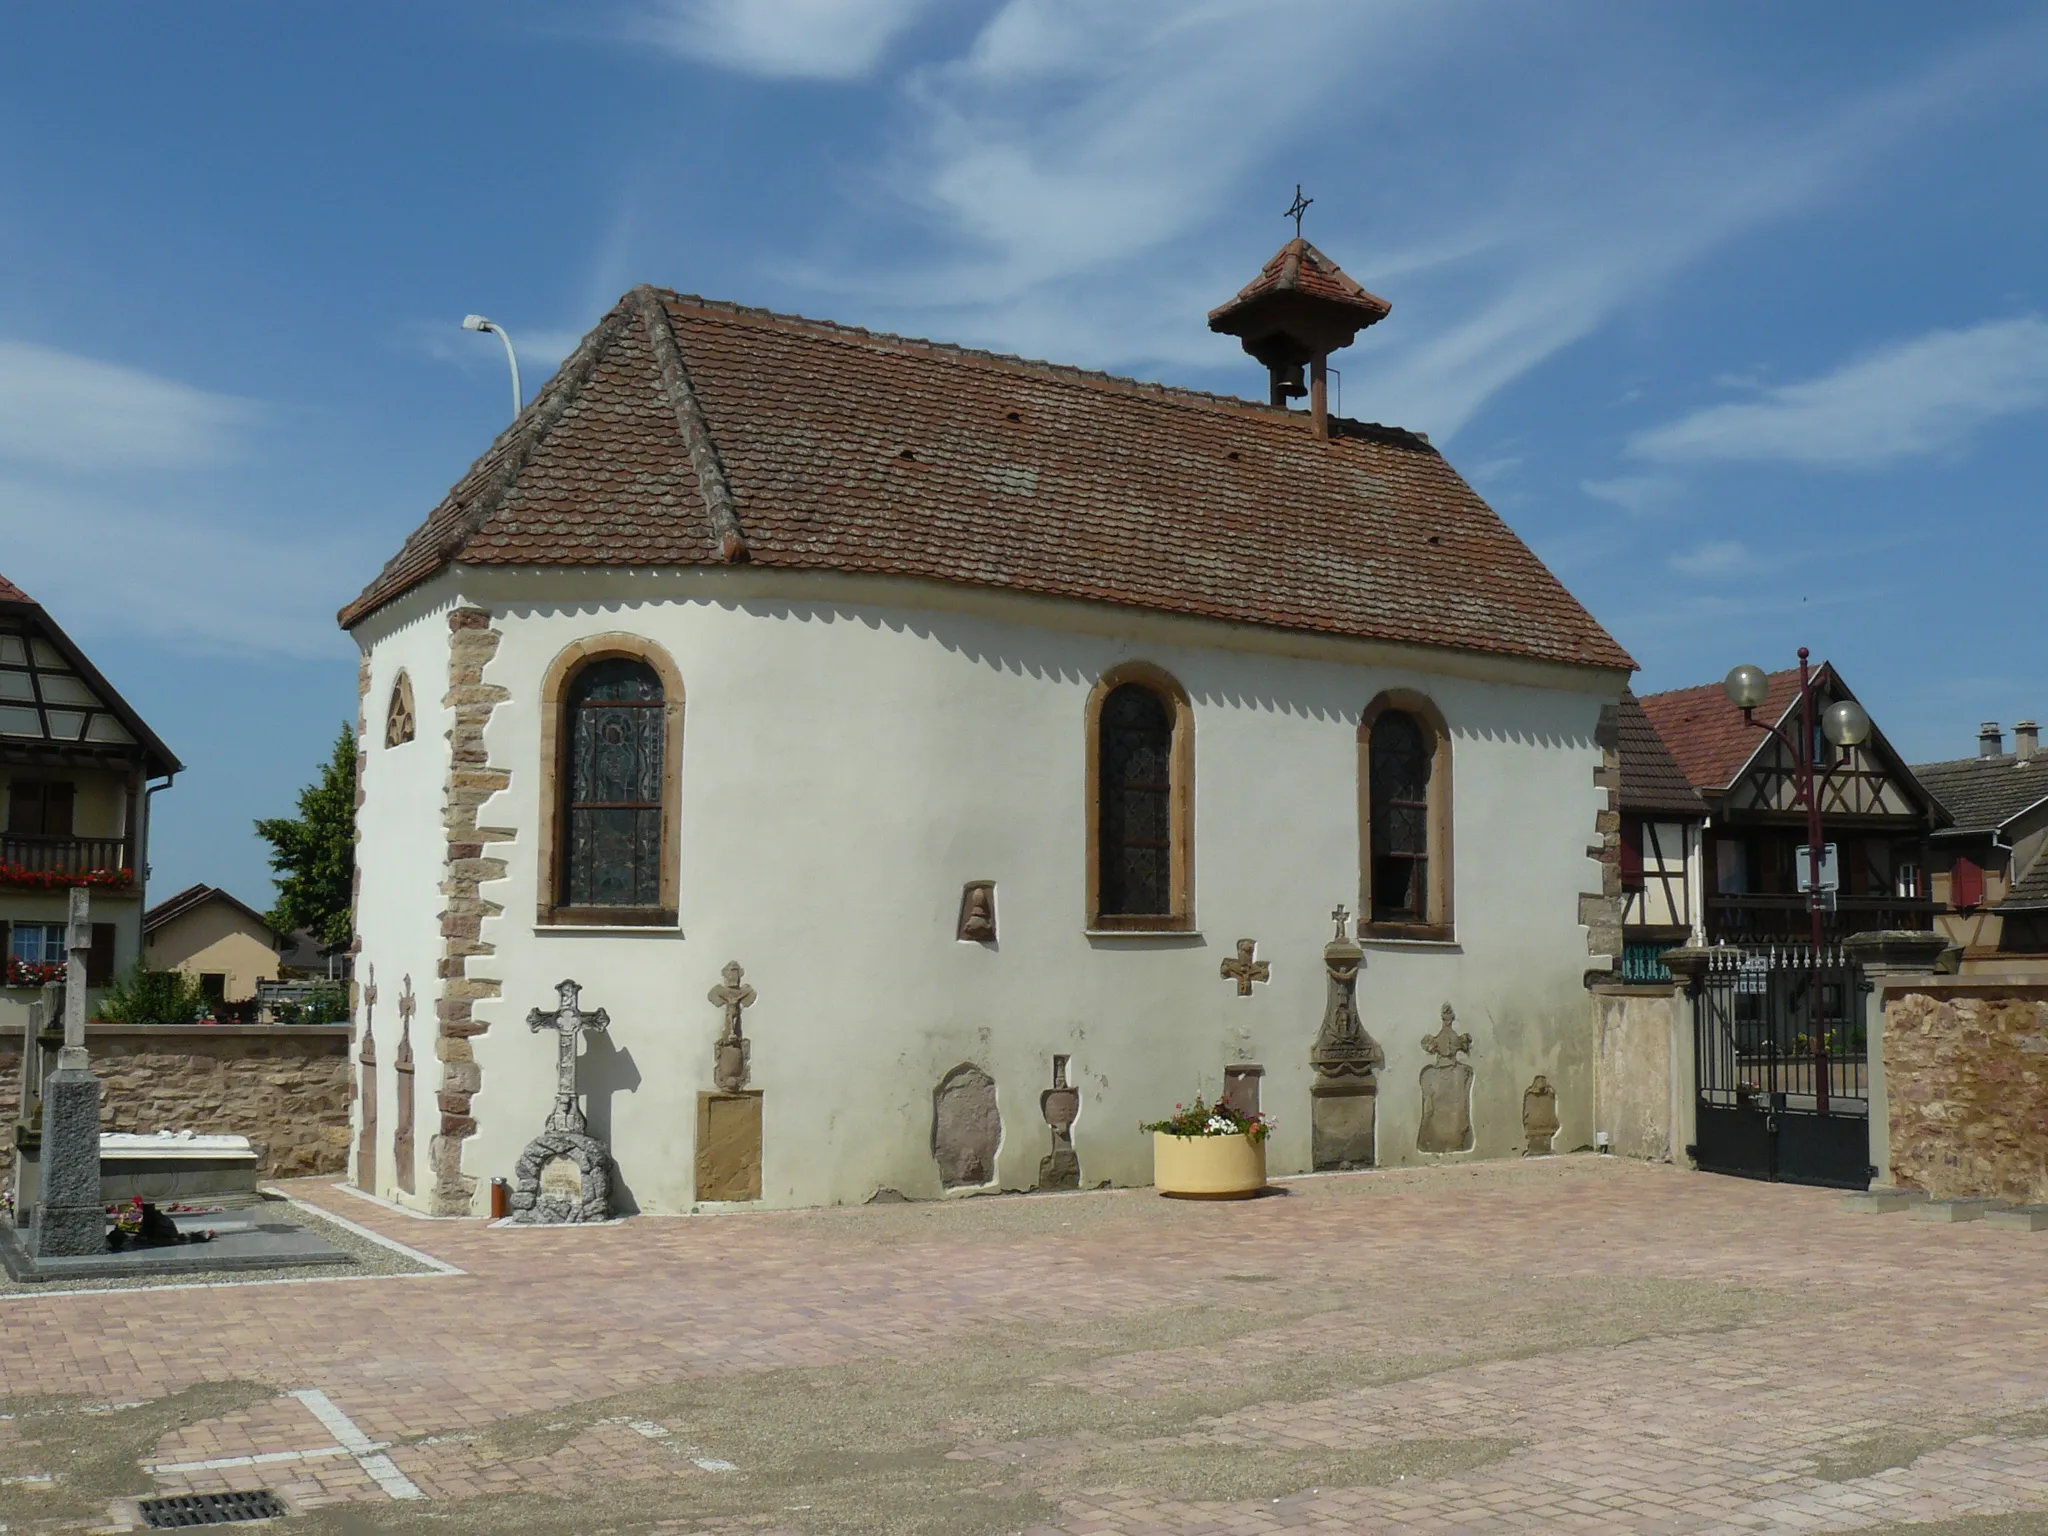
(1208, 1167)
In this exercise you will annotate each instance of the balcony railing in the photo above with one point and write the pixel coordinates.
(1786, 917)
(63, 860)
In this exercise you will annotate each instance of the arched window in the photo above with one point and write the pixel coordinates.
(612, 743)
(1140, 794)
(399, 720)
(1404, 769)
(611, 807)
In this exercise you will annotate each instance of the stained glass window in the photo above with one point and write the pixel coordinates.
(1399, 769)
(1135, 819)
(612, 780)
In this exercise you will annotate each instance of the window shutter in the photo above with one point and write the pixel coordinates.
(1966, 885)
(57, 808)
(1631, 853)
(25, 808)
(99, 960)
(6, 949)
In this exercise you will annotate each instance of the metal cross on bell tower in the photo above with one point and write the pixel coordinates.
(1297, 208)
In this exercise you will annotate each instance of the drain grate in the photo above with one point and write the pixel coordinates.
(210, 1509)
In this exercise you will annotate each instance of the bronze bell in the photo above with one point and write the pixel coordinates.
(1288, 381)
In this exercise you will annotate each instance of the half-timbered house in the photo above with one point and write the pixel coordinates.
(1989, 866)
(1661, 814)
(75, 766)
(1874, 811)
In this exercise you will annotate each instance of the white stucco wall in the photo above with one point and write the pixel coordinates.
(855, 751)
(400, 850)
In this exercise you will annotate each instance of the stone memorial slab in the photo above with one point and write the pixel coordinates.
(69, 1217)
(967, 1127)
(1446, 1091)
(1061, 1106)
(241, 1244)
(729, 1146)
(1539, 1117)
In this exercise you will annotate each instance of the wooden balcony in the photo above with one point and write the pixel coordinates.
(61, 858)
(1768, 918)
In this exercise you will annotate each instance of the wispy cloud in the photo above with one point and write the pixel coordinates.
(1718, 557)
(1911, 398)
(1637, 495)
(179, 574)
(800, 39)
(79, 413)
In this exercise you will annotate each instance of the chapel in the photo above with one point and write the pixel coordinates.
(927, 765)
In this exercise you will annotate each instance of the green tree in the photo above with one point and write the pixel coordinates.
(314, 853)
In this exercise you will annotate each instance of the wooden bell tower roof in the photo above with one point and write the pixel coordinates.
(1300, 305)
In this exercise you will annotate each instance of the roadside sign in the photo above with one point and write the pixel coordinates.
(1830, 867)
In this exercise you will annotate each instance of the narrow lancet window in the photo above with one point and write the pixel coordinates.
(612, 787)
(1136, 814)
(1399, 777)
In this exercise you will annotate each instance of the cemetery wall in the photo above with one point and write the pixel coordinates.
(1966, 1069)
(1635, 1068)
(285, 1088)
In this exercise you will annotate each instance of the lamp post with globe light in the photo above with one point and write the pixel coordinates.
(1845, 724)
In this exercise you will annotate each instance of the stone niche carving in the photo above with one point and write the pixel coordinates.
(1344, 1098)
(1446, 1091)
(1061, 1105)
(967, 1127)
(1539, 1116)
(1241, 1082)
(978, 912)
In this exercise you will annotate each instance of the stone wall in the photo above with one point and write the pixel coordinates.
(286, 1089)
(1966, 1071)
(1633, 1067)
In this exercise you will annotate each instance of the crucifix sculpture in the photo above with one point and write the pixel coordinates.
(1244, 970)
(568, 1021)
(734, 1050)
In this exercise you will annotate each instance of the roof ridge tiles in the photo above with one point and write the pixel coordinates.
(1256, 408)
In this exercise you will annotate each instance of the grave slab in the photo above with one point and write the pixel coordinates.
(241, 1243)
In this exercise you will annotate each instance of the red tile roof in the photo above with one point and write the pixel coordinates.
(688, 432)
(10, 593)
(1298, 267)
(1652, 783)
(1707, 735)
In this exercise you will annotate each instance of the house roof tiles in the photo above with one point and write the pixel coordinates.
(10, 593)
(191, 899)
(1652, 783)
(1707, 736)
(687, 432)
(1984, 793)
(1298, 267)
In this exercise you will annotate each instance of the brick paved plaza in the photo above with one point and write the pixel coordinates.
(1573, 1344)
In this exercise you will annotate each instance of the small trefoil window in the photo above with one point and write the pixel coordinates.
(611, 826)
(399, 721)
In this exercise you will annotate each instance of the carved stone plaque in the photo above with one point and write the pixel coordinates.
(729, 1146)
(1446, 1090)
(1539, 1116)
(966, 1126)
(562, 1178)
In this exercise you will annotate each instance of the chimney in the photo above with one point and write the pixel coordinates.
(1990, 740)
(2026, 739)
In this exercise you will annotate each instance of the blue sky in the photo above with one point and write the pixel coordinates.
(1737, 312)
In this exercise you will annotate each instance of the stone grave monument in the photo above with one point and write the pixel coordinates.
(1061, 1106)
(729, 1119)
(1446, 1090)
(565, 1173)
(70, 1219)
(1344, 1098)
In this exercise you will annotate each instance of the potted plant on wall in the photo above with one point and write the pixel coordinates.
(1209, 1152)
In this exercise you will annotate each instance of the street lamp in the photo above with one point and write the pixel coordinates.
(1846, 725)
(479, 323)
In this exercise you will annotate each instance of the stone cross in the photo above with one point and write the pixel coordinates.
(1343, 920)
(1448, 1041)
(408, 1005)
(568, 1021)
(78, 948)
(733, 1049)
(1244, 970)
(369, 994)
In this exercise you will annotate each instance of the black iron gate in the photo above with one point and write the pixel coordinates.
(1782, 1094)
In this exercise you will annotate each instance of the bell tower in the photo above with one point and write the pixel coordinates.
(1294, 314)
